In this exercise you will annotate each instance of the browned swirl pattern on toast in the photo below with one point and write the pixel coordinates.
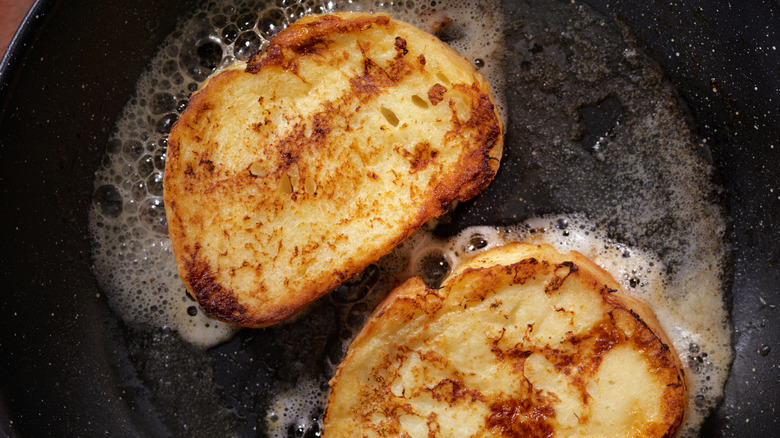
(521, 341)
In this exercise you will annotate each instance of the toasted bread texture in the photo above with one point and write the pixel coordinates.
(289, 174)
(521, 341)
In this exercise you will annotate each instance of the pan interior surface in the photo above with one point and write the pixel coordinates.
(594, 131)
(578, 85)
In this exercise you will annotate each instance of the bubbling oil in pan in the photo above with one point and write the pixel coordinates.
(598, 158)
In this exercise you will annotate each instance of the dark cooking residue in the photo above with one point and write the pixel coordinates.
(600, 119)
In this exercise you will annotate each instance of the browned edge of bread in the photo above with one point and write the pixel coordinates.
(413, 300)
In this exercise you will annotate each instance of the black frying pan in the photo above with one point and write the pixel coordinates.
(68, 366)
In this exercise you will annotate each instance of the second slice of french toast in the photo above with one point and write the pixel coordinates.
(520, 341)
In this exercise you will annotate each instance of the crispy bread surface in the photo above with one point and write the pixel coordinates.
(287, 175)
(521, 341)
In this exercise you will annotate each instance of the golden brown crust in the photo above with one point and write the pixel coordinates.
(311, 35)
(289, 175)
(522, 341)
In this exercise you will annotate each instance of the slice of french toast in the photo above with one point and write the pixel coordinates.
(521, 341)
(289, 174)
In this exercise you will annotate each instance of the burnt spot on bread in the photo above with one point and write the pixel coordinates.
(376, 78)
(189, 171)
(525, 269)
(258, 126)
(518, 418)
(210, 293)
(450, 391)
(207, 164)
(436, 93)
(562, 272)
(309, 38)
(422, 155)
(400, 47)
(373, 80)
(321, 124)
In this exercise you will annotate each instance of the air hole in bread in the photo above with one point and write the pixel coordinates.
(295, 176)
(442, 77)
(461, 108)
(285, 186)
(419, 101)
(389, 116)
(256, 169)
(310, 185)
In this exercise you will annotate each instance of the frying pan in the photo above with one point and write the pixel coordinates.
(66, 361)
